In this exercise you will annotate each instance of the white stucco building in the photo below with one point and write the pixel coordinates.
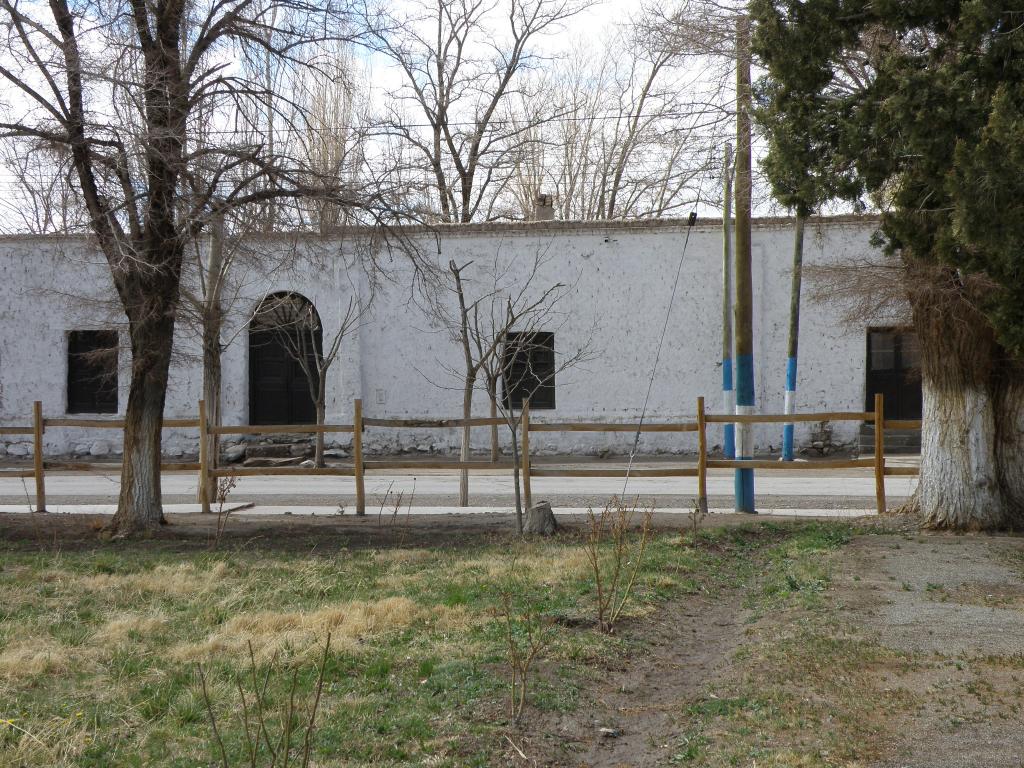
(618, 278)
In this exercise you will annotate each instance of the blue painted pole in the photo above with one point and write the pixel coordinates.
(729, 401)
(789, 406)
(744, 479)
(728, 393)
(744, 483)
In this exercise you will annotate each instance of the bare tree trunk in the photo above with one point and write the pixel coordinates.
(212, 377)
(972, 441)
(139, 505)
(495, 451)
(515, 477)
(213, 322)
(467, 410)
(1009, 398)
(321, 419)
(959, 472)
(972, 455)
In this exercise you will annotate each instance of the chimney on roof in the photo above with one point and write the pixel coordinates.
(544, 208)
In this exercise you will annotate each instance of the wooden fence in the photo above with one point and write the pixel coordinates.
(39, 465)
(359, 467)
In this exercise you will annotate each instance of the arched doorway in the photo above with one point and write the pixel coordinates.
(285, 342)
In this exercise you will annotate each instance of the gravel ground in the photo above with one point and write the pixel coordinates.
(956, 605)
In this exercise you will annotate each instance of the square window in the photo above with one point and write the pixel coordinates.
(528, 365)
(92, 372)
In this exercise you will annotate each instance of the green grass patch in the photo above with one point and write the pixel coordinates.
(99, 649)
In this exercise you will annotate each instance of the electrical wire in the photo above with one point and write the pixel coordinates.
(661, 341)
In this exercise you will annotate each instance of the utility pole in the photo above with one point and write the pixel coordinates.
(744, 281)
(794, 332)
(728, 393)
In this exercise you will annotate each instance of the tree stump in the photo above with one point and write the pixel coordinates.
(540, 520)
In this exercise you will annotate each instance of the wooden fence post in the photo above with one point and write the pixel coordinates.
(880, 452)
(205, 486)
(525, 458)
(702, 458)
(357, 455)
(37, 455)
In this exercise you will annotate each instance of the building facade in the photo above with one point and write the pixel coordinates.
(63, 339)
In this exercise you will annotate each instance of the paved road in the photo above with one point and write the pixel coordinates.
(776, 489)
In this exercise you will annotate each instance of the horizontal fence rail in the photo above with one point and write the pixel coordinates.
(114, 423)
(572, 426)
(40, 465)
(902, 423)
(404, 464)
(787, 418)
(605, 472)
(799, 466)
(285, 471)
(495, 421)
(84, 466)
(209, 473)
(278, 429)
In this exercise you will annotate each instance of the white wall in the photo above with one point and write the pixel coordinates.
(620, 281)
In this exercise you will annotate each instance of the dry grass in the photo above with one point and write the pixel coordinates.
(552, 567)
(116, 633)
(58, 742)
(129, 627)
(405, 556)
(547, 567)
(181, 580)
(32, 657)
(296, 633)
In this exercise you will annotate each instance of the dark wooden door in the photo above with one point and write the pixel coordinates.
(894, 370)
(278, 387)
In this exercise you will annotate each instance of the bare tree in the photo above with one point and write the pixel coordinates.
(205, 303)
(37, 196)
(129, 91)
(481, 327)
(638, 116)
(494, 313)
(333, 138)
(459, 68)
(522, 376)
(220, 271)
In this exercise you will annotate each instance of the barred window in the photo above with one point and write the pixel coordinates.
(528, 363)
(92, 372)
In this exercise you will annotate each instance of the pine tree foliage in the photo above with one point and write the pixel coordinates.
(917, 105)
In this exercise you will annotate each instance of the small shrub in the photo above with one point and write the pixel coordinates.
(224, 487)
(268, 740)
(527, 635)
(614, 559)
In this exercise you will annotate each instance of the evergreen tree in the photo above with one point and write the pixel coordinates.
(919, 106)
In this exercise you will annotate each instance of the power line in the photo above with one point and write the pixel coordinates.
(345, 129)
(623, 116)
(661, 340)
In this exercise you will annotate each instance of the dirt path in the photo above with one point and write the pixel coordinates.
(630, 717)
(956, 605)
(944, 689)
(688, 645)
